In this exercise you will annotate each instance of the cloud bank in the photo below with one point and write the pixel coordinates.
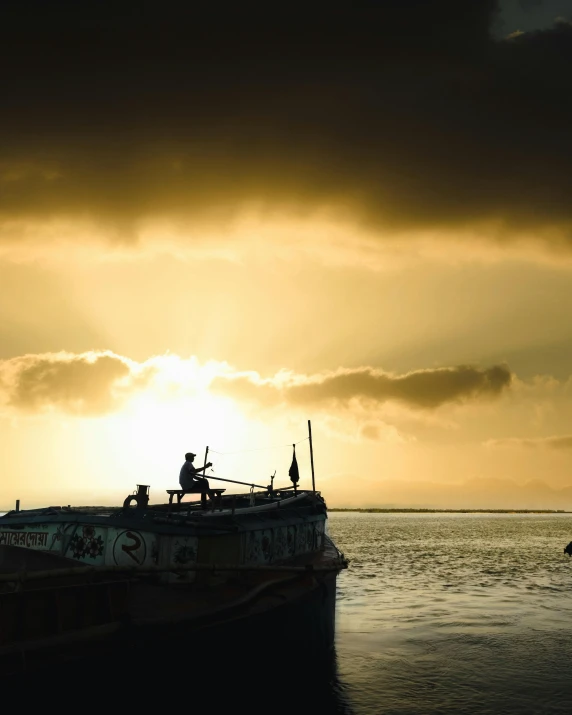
(421, 389)
(100, 382)
(402, 116)
(87, 384)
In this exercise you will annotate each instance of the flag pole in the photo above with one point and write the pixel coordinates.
(311, 455)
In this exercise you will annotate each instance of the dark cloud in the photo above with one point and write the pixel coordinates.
(422, 389)
(557, 442)
(406, 113)
(88, 384)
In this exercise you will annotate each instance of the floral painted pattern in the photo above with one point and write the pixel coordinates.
(291, 540)
(58, 535)
(88, 545)
(280, 543)
(253, 547)
(319, 534)
(266, 544)
(183, 552)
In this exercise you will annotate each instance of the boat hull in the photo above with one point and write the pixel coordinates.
(115, 590)
(294, 622)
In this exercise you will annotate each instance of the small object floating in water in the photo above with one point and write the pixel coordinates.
(568, 549)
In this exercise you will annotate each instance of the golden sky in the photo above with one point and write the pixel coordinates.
(213, 229)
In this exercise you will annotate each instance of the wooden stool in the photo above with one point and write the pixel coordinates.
(215, 496)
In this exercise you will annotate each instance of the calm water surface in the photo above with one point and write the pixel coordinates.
(453, 613)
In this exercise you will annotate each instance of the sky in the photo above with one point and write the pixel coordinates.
(216, 227)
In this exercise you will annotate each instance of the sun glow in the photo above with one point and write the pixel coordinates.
(160, 431)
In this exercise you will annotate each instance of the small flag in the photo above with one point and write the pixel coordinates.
(293, 472)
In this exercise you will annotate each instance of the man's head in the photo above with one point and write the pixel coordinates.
(189, 456)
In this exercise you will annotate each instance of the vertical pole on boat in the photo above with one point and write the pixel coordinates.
(311, 455)
(17, 505)
(203, 494)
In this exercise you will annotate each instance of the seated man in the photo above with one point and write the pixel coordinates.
(187, 476)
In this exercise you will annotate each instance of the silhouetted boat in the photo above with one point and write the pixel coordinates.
(228, 570)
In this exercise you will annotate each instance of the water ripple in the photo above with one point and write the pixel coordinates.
(451, 613)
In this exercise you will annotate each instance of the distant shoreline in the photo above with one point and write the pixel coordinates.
(454, 511)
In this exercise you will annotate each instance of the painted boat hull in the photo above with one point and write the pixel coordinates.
(275, 593)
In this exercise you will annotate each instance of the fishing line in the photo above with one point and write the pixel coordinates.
(257, 449)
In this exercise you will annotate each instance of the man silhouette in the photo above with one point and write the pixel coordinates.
(188, 475)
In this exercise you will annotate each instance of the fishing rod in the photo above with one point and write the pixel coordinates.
(234, 481)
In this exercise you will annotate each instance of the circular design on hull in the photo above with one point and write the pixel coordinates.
(129, 548)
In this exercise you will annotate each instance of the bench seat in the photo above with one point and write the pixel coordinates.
(214, 494)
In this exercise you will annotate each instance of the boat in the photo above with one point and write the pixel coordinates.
(219, 570)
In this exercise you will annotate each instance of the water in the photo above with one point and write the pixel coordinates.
(453, 613)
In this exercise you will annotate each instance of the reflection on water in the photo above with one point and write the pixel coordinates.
(450, 613)
(182, 676)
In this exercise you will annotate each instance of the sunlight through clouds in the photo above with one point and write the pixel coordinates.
(364, 221)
